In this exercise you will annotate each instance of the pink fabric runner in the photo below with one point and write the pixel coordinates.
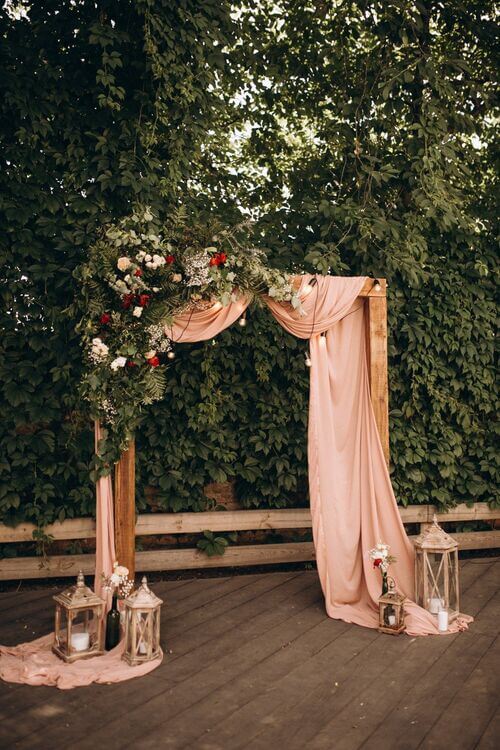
(352, 502)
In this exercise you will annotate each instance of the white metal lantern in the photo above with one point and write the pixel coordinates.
(436, 571)
(78, 629)
(142, 625)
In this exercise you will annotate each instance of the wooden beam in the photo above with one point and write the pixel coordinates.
(234, 520)
(376, 345)
(59, 566)
(223, 520)
(124, 507)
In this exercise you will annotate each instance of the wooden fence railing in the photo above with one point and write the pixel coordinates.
(15, 568)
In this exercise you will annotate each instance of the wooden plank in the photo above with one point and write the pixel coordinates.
(235, 520)
(71, 528)
(57, 566)
(253, 554)
(224, 520)
(376, 338)
(124, 509)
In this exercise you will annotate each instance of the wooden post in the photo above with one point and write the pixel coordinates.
(125, 509)
(376, 329)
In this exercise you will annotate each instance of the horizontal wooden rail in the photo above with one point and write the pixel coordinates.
(235, 520)
(59, 566)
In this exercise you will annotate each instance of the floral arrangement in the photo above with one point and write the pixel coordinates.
(118, 581)
(138, 277)
(381, 558)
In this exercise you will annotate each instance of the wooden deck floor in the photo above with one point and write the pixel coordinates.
(253, 662)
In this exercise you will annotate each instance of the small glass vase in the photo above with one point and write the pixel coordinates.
(385, 583)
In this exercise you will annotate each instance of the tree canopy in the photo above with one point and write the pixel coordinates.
(360, 138)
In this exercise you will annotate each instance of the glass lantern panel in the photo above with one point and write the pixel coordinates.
(436, 562)
(143, 634)
(453, 604)
(419, 578)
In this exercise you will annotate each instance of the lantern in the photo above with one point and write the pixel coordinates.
(436, 571)
(142, 625)
(78, 632)
(391, 614)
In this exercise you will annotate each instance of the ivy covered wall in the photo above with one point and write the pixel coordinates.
(358, 135)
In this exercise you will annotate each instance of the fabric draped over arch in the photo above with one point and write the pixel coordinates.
(352, 502)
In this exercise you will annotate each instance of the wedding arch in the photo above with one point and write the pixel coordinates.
(147, 290)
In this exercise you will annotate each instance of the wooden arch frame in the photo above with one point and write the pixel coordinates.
(375, 302)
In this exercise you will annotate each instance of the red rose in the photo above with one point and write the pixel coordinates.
(377, 562)
(131, 364)
(170, 258)
(214, 261)
(127, 300)
(105, 319)
(138, 272)
(144, 299)
(222, 257)
(154, 361)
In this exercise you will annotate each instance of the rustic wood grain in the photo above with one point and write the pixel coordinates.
(124, 508)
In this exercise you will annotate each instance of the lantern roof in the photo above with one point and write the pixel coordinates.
(78, 596)
(435, 538)
(143, 597)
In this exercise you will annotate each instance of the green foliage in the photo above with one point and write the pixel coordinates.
(360, 136)
(213, 545)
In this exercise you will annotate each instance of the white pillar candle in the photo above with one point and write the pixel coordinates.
(80, 641)
(435, 605)
(392, 620)
(142, 648)
(442, 621)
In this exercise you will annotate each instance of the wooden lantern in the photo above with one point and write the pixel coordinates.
(142, 625)
(436, 571)
(391, 614)
(78, 631)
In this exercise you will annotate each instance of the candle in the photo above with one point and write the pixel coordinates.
(392, 620)
(435, 605)
(442, 621)
(80, 641)
(142, 648)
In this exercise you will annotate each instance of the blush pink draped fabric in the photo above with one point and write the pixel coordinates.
(352, 502)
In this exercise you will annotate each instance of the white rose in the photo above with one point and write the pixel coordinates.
(177, 277)
(150, 354)
(159, 260)
(99, 349)
(118, 362)
(147, 257)
(137, 312)
(123, 263)
(140, 255)
(121, 570)
(114, 579)
(150, 264)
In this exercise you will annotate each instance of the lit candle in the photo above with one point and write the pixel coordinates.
(80, 641)
(442, 620)
(392, 620)
(435, 605)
